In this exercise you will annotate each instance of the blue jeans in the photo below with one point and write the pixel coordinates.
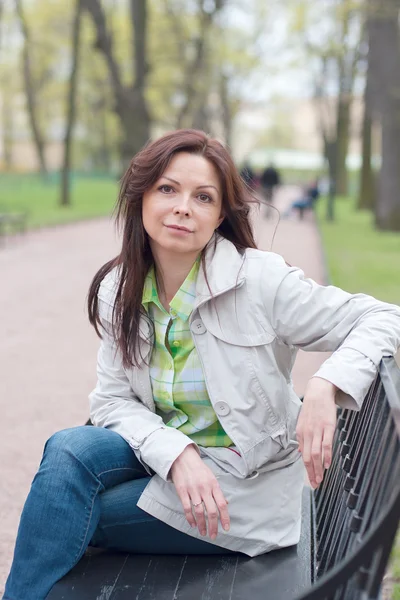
(85, 493)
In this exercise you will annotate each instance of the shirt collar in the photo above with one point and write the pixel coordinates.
(182, 303)
(150, 293)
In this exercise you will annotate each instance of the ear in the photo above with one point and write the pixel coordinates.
(220, 221)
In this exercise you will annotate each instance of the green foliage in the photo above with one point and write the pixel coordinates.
(91, 197)
(395, 569)
(174, 28)
(48, 25)
(360, 258)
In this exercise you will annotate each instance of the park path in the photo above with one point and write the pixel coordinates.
(48, 350)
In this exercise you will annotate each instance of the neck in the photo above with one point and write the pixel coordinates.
(171, 271)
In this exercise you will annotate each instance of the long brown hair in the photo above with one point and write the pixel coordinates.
(135, 258)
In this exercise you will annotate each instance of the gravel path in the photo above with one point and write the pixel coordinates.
(48, 350)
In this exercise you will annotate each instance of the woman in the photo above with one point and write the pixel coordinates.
(195, 448)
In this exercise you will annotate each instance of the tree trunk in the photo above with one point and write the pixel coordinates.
(226, 109)
(325, 122)
(8, 128)
(1, 18)
(136, 110)
(331, 153)
(342, 133)
(347, 61)
(367, 187)
(30, 91)
(191, 77)
(130, 102)
(388, 205)
(366, 194)
(385, 100)
(192, 113)
(65, 199)
(104, 154)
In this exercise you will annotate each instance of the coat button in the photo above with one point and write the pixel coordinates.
(222, 408)
(197, 326)
(253, 475)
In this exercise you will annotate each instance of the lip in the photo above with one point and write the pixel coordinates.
(179, 228)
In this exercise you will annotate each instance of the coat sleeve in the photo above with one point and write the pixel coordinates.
(114, 405)
(358, 329)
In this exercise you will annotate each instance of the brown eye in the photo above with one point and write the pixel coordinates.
(204, 198)
(166, 189)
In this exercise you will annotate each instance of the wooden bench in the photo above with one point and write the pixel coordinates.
(348, 530)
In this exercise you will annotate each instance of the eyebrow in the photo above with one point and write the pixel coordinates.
(198, 187)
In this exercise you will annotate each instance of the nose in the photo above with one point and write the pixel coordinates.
(182, 206)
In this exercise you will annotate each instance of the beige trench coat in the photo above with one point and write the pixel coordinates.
(247, 332)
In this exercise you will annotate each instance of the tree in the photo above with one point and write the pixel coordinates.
(332, 44)
(350, 32)
(366, 192)
(202, 85)
(196, 68)
(130, 100)
(65, 199)
(1, 19)
(384, 62)
(31, 89)
(9, 83)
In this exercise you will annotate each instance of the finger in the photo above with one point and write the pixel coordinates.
(300, 437)
(327, 442)
(316, 456)
(199, 516)
(222, 505)
(212, 515)
(187, 507)
(306, 453)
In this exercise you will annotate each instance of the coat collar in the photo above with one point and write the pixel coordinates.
(224, 271)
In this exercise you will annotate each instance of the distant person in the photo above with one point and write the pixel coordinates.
(270, 178)
(307, 201)
(247, 174)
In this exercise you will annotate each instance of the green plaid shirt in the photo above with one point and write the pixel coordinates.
(177, 379)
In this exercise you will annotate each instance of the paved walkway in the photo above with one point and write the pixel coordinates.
(48, 350)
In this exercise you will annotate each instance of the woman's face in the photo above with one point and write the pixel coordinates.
(183, 208)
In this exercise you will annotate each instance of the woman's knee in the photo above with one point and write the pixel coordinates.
(75, 442)
(65, 440)
(92, 447)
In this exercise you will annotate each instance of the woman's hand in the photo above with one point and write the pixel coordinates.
(316, 427)
(197, 485)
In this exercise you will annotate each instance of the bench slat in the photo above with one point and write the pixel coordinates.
(279, 575)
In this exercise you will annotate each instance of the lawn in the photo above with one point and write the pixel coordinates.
(360, 258)
(91, 197)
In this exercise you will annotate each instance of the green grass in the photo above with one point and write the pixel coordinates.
(396, 593)
(395, 568)
(91, 197)
(360, 258)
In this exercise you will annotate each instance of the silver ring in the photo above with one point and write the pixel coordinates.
(198, 504)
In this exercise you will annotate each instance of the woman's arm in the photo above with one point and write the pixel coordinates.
(114, 405)
(358, 329)
(170, 453)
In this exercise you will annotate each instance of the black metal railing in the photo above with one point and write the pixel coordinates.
(357, 507)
